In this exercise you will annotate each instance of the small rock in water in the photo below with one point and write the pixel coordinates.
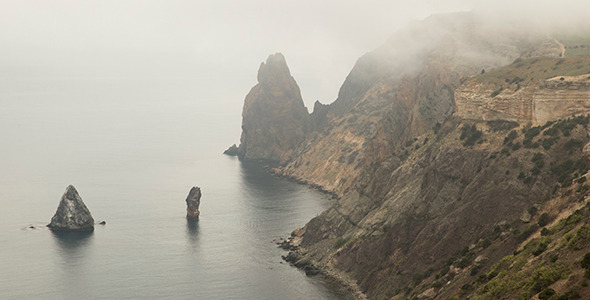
(72, 214)
(192, 202)
(232, 151)
(103, 223)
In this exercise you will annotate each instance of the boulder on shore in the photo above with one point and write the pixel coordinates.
(192, 202)
(72, 214)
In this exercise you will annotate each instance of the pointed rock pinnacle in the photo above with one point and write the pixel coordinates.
(72, 214)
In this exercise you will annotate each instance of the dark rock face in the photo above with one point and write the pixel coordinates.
(192, 202)
(319, 117)
(413, 206)
(72, 214)
(274, 118)
(232, 151)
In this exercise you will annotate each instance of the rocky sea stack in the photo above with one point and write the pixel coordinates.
(192, 203)
(274, 118)
(72, 214)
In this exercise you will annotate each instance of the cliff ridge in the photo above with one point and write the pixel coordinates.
(449, 148)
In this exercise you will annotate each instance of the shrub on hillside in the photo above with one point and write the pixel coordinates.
(470, 135)
(543, 219)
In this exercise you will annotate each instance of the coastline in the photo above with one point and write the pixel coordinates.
(317, 187)
(296, 257)
(296, 254)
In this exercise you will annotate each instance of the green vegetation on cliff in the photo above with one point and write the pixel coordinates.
(439, 198)
(553, 266)
(506, 194)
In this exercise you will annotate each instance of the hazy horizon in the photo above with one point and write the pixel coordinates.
(134, 102)
(220, 41)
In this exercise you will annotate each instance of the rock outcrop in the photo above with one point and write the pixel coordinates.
(509, 95)
(192, 203)
(274, 118)
(72, 214)
(561, 97)
(552, 99)
(479, 101)
(233, 150)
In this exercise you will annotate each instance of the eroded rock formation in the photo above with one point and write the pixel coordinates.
(192, 202)
(72, 214)
(561, 97)
(274, 118)
(552, 99)
(539, 95)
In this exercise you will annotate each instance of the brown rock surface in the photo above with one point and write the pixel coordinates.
(408, 194)
(72, 214)
(531, 98)
(193, 200)
(561, 97)
(274, 118)
(397, 93)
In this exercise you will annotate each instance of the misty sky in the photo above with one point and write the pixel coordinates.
(216, 40)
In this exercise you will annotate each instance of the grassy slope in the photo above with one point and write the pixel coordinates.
(576, 45)
(532, 70)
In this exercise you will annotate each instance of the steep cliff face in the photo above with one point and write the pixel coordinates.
(274, 118)
(431, 153)
(460, 40)
(333, 157)
(400, 91)
(561, 97)
(411, 218)
(533, 90)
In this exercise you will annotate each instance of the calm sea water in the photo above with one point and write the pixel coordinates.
(133, 149)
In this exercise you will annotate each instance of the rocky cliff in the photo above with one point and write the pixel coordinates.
(438, 171)
(274, 118)
(400, 91)
(561, 97)
(411, 218)
(541, 93)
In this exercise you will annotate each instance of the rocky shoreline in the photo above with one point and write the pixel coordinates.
(295, 257)
(296, 253)
(317, 187)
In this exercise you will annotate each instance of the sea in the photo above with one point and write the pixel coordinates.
(133, 148)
